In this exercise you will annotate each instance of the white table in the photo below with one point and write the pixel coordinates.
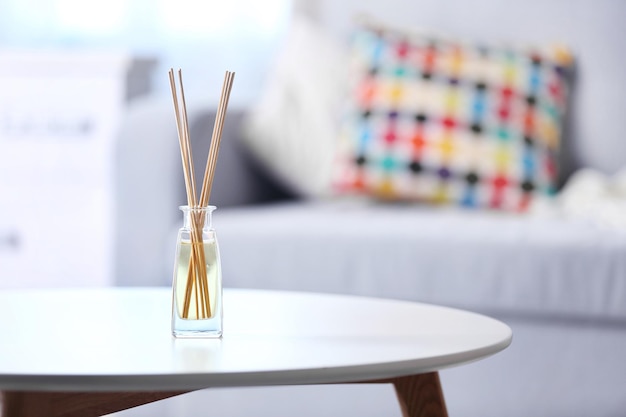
(94, 352)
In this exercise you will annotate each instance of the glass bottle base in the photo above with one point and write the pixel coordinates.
(207, 328)
(197, 334)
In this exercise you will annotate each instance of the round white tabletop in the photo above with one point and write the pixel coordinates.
(118, 339)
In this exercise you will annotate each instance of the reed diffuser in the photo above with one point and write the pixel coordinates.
(197, 284)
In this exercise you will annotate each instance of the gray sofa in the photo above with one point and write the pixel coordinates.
(560, 283)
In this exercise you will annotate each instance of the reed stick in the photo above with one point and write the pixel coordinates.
(181, 140)
(197, 261)
(215, 141)
(187, 162)
(209, 172)
(185, 126)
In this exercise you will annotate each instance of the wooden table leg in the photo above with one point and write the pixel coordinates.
(419, 395)
(75, 404)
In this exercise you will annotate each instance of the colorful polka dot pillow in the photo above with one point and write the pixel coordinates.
(442, 121)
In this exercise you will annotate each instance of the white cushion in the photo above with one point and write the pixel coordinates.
(292, 129)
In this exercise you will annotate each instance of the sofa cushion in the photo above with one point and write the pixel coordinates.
(292, 129)
(446, 121)
(486, 261)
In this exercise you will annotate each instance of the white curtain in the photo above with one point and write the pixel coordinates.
(203, 37)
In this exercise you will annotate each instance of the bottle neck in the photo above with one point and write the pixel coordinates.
(201, 216)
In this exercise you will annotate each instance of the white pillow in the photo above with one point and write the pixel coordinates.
(292, 129)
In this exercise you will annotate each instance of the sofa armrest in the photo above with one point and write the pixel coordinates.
(147, 177)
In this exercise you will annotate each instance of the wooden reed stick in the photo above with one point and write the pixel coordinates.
(215, 141)
(197, 264)
(188, 153)
(181, 140)
(198, 261)
(217, 135)
(216, 138)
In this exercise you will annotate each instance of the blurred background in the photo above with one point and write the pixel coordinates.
(69, 70)
(202, 37)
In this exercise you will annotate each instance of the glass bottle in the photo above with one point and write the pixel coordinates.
(197, 286)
